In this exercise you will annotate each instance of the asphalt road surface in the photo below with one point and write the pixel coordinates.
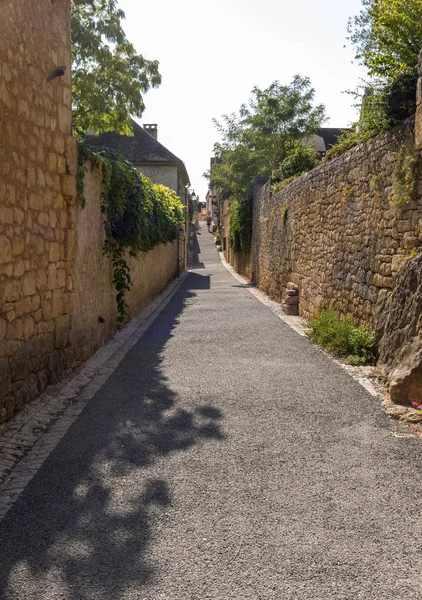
(226, 458)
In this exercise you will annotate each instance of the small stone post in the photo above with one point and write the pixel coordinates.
(418, 121)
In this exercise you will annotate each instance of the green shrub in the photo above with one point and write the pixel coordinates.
(343, 337)
(220, 248)
(138, 214)
(240, 232)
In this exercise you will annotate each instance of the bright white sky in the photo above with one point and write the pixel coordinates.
(212, 53)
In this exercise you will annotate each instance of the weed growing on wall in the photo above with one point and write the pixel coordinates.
(407, 170)
(138, 214)
(343, 337)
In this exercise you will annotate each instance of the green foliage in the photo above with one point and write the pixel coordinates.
(138, 214)
(399, 96)
(240, 233)
(280, 185)
(407, 170)
(83, 155)
(108, 76)
(343, 337)
(264, 139)
(387, 36)
(384, 105)
(299, 160)
(220, 248)
(414, 253)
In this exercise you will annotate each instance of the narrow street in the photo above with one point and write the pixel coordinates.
(226, 458)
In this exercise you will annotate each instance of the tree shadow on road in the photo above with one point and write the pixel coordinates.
(85, 525)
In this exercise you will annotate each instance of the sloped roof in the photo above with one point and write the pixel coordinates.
(141, 148)
(330, 135)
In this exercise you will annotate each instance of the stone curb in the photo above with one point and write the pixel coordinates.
(29, 438)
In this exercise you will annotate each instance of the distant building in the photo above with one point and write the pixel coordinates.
(325, 138)
(150, 157)
(153, 160)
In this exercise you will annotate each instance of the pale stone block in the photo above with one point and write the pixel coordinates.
(61, 278)
(14, 330)
(52, 218)
(5, 250)
(72, 155)
(41, 280)
(18, 268)
(28, 284)
(51, 276)
(37, 316)
(7, 216)
(23, 306)
(46, 309)
(70, 244)
(68, 186)
(28, 327)
(54, 252)
(19, 216)
(36, 201)
(3, 329)
(52, 161)
(59, 236)
(4, 96)
(56, 304)
(44, 219)
(65, 119)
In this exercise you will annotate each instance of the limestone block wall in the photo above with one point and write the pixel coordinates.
(37, 199)
(334, 233)
(94, 316)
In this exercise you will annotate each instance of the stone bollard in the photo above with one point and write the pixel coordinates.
(290, 304)
(418, 117)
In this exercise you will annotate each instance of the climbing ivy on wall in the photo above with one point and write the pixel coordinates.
(138, 214)
(240, 233)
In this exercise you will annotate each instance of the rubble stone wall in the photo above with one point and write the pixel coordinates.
(37, 199)
(55, 282)
(335, 231)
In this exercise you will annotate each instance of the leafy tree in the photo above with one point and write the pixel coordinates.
(109, 76)
(387, 35)
(268, 132)
(267, 138)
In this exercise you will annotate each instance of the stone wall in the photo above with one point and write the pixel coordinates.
(37, 199)
(95, 314)
(334, 231)
(55, 282)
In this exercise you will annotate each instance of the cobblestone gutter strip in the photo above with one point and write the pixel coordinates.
(28, 439)
(363, 375)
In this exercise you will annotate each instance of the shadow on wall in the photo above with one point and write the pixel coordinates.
(84, 526)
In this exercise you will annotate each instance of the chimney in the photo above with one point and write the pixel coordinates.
(151, 128)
